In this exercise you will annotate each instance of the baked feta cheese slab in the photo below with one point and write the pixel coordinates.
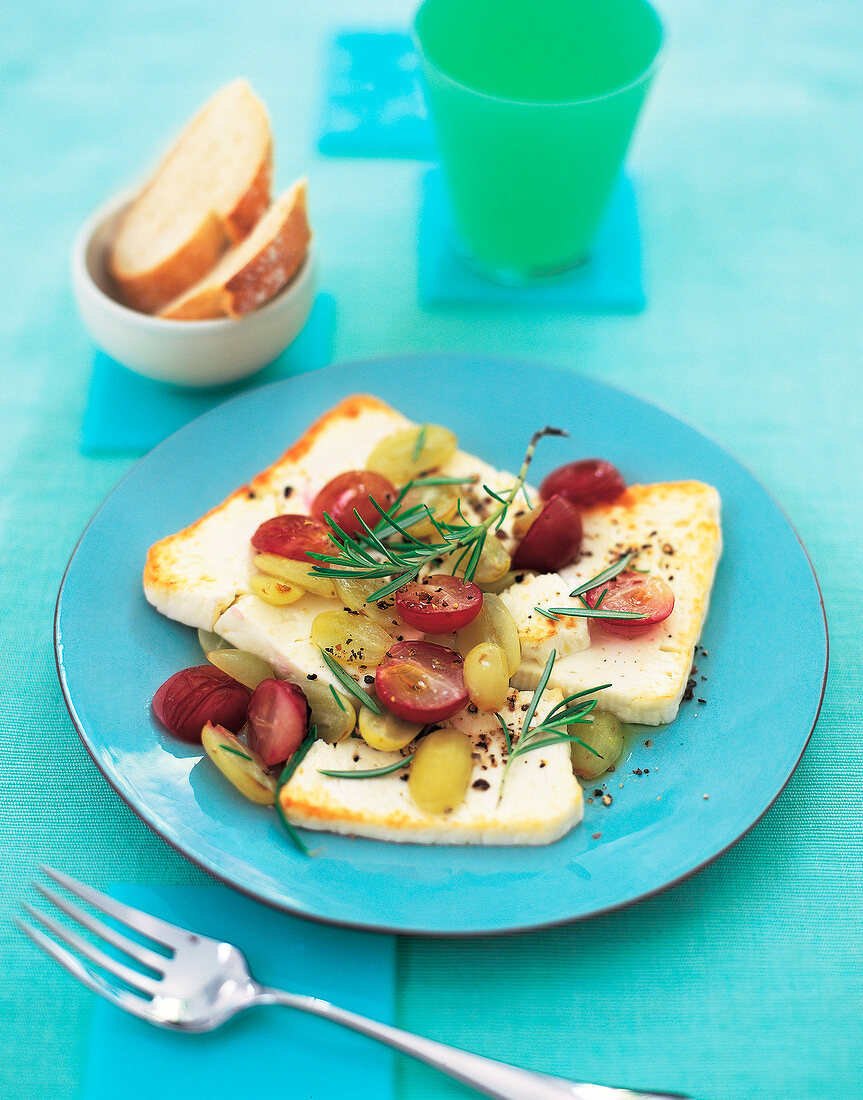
(674, 529)
(194, 576)
(201, 576)
(541, 799)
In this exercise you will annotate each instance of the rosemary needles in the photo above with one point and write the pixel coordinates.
(390, 550)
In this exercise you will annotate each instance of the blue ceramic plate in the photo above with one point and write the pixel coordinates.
(763, 680)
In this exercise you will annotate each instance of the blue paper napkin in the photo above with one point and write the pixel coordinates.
(373, 102)
(267, 1051)
(129, 413)
(610, 280)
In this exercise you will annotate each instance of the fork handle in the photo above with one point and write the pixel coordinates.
(487, 1076)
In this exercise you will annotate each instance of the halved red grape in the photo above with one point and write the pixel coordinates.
(439, 604)
(553, 540)
(293, 536)
(278, 720)
(639, 592)
(191, 698)
(588, 481)
(421, 682)
(349, 493)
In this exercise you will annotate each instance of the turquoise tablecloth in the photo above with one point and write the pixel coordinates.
(744, 981)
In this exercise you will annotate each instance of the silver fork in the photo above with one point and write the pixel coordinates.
(204, 982)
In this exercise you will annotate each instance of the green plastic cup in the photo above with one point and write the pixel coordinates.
(533, 103)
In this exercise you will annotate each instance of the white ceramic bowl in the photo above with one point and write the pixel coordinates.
(187, 353)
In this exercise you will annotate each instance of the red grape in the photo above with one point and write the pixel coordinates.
(278, 720)
(439, 604)
(553, 540)
(293, 536)
(421, 682)
(588, 481)
(349, 493)
(191, 698)
(638, 592)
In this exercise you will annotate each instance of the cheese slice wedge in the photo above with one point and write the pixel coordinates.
(541, 798)
(674, 529)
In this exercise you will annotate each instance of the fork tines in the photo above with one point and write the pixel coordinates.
(90, 963)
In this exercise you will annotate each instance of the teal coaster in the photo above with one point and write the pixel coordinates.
(609, 281)
(129, 413)
(267, 1051)
(373, 102)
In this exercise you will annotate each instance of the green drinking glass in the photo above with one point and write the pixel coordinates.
(533, 103)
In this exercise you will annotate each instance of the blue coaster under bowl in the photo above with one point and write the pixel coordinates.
(609, 281)
(373, 102)
(267, 1051)
(129, 413)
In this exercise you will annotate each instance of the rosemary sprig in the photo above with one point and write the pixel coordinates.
(368, 773)
(420, 482)
(585, 611)
(286, 774)
(606, 575)
(236, 752)
(350, 683)
(592, 613)
(506, 732)
(369, 555)
(552, 730)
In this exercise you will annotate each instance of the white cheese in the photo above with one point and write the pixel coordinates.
(538, 634)
(674, 528)
(541, 800)
(282, 636)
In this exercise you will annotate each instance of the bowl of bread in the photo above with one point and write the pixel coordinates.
(201, 277)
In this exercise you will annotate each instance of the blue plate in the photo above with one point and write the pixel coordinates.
(763, 682)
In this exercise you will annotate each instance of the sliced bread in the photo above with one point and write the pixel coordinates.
(208, 192)
(254, 270)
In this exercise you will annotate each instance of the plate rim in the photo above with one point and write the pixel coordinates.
(396, 929)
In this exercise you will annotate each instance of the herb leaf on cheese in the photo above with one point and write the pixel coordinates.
(368, 773)
(370, 555)
(350, 683)
(553, 729)
(585, 611)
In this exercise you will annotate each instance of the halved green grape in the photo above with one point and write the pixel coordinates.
(385, 731)
(486, 676)
(209, 641)
(413, 451)
(246, 668)
(493, 624)
(276, 592)
(353, 640)
(297, 573)
(494, 563)
(332, 713)
(441, 770)
(499, 585)
(239, 765)
(441, 501)
(354, 593)
(605, 735)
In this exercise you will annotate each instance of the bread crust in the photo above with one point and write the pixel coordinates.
(242, 282)
(250, 205)
(218, 225)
